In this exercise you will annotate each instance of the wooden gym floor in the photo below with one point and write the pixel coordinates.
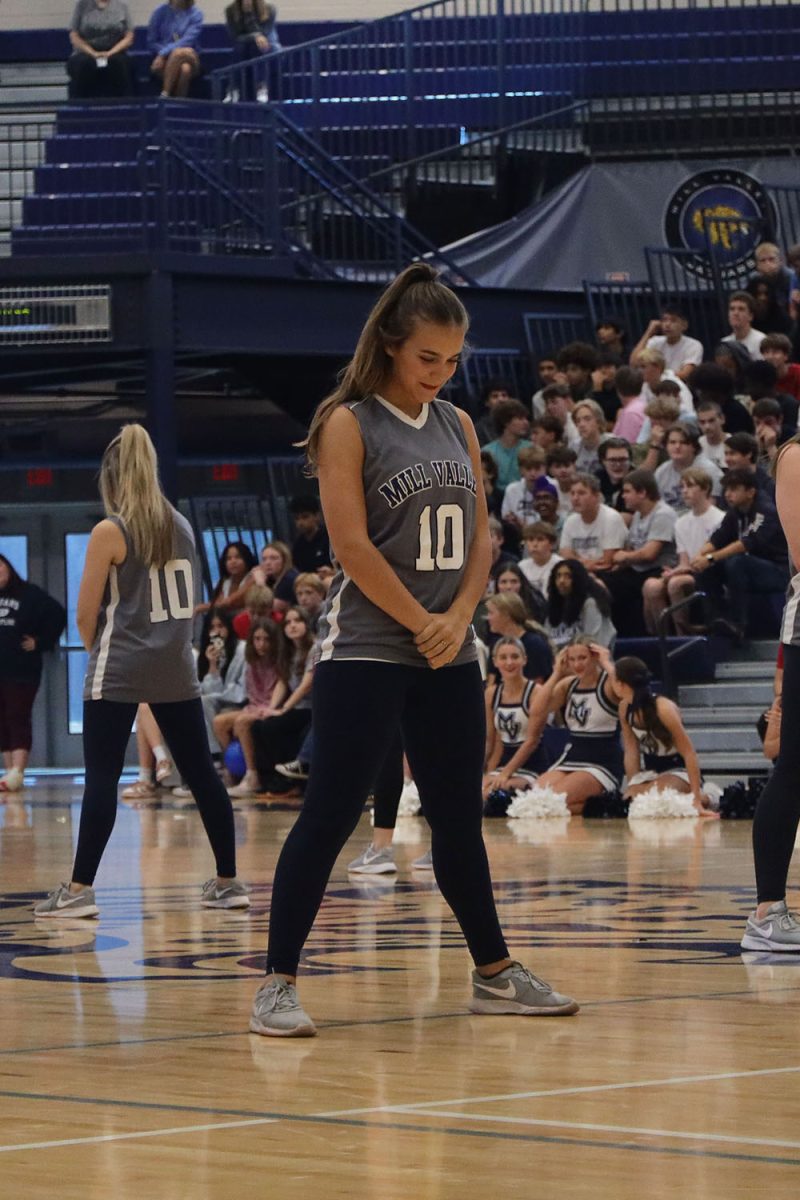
(127, 1070)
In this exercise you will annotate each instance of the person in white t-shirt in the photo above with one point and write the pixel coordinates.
(692, 530)
(540, 540)
(653, 366)
(668, 335)
(712, 432)
(741, 314)
(592, 531)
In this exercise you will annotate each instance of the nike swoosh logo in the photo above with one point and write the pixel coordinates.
(507, 989)
(65, 903)
(765, 930)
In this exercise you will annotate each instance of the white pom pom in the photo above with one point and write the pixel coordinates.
(409, 800)
(538, 802)
(660, 803)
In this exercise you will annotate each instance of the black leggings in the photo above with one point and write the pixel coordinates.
(778, 810)
(388, 786)
(106, 729)
(357, 709)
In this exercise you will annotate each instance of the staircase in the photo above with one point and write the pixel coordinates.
(721, 716)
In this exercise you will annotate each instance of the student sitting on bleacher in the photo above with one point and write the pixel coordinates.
(251, 26)
(173, 36)
(742, 451)
(747, 552)
(100, 34)
(692, 530)
(683, 450)
(649, 548)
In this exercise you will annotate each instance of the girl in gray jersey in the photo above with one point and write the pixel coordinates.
(772, 926)
(400, 483)
(135, 611)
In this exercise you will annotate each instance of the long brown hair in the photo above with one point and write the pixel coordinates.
(260, 8)
(415, 295)
(635, 674)
(130, 490)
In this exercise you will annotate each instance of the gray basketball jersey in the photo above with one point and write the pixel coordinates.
(142, 650)
(420, 491)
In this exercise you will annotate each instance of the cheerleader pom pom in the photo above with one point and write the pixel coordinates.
(664, 803)
(409, 805)
(538, 802)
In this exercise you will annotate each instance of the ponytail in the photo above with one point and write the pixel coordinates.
(415, 295)
(130, 490)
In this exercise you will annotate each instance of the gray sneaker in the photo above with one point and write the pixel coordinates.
(373, 862)
(423, 864)
(62, 903)
(778, 930)
(518, 990)
(232, 895)
(293, 770)
(277, 1012)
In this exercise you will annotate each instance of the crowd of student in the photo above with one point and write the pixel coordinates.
(649, 479)
(102, 32)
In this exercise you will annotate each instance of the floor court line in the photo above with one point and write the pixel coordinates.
(500, 1135)
(669, 1081)
(142, 1133)
(630, 1130)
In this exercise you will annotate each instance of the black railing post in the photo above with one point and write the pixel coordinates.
(501, 63)
(408, 69)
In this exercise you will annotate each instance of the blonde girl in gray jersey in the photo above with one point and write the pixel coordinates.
(399, 474)
(135, 609)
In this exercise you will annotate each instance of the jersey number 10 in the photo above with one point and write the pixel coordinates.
(449, 534)
(178, 608)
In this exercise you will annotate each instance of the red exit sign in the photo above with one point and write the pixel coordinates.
(225, 472)
(40, 477)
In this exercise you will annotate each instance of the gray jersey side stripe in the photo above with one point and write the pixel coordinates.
(789, 625)
(105, 640)
(333, 622)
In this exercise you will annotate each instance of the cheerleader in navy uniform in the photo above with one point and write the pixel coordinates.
(581, 689)
(400, 483)
(513, 760)
(657, 749)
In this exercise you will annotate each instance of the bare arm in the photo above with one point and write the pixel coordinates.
(299, 692)
(653, 329)
(630, 747)
(787, 499)
(670, 715)
(124, 42)
(106, 549)
(82, 47)
(649, 552)
(533, 735)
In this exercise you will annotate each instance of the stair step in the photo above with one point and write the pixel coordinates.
(736, 738)
(760, 649)
(733, 765)
(745, 670)
(723, 715)
(703, 695)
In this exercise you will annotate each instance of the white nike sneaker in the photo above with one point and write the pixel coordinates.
(63, 903)
(517, 991)
(777, 931)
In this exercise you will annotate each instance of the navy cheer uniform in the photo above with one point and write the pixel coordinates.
(594, 744)
(511, 722)
(657, 758)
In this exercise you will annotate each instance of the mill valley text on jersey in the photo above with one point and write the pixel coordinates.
(414, 479)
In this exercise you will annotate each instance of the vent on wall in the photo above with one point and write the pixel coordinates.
(55, 315)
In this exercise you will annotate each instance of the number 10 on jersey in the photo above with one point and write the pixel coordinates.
(441, 538)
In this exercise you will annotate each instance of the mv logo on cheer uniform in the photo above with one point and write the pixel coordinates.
(579, 712)
(509, 725)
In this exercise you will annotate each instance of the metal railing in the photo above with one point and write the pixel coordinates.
(660, 74)
(669, 655)
(200, 178)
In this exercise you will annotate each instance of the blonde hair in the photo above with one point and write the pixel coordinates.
(285, 554)
(131, 490)
(258, 599)
(415, 295)
(310, 579)
(651, 357)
